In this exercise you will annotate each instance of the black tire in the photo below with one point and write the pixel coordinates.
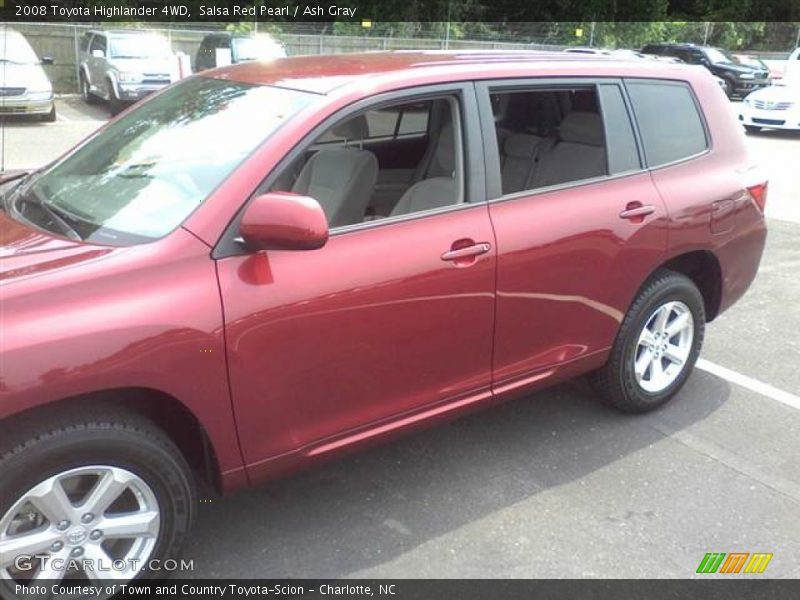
(615, 383)
(752, 129)
(115, 105)
(34, 450)
(51, 116)
(730, 87)
(87, 96)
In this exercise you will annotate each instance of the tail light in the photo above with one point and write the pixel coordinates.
(759, 195)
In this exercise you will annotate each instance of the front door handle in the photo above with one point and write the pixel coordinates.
(636, 211)
(467, 252)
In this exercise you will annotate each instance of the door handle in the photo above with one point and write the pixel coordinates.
(474, 250)
(637, 210)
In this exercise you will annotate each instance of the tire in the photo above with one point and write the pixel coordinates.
(752, 129)
(730, 87)
(51, 116)
(115, 105)
(117, 445)
(617, 384)
(86, 94)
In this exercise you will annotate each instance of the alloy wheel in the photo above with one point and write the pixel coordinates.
(97, 523)
(663, 346)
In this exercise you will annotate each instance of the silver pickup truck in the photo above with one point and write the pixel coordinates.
(121, 67)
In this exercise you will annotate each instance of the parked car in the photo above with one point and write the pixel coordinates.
(24, 86)
(122, 67)
(224, 48)
(271, 264)
(755, 62)
(791, 71)
(588, 50)
(775, 107)
(739, 79)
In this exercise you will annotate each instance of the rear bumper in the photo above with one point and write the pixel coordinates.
(26, 105)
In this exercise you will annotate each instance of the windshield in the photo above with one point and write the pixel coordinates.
(141, 176)
(255, 48)
(749, 61)
(715, 55)
(15, 49)
(139, 46)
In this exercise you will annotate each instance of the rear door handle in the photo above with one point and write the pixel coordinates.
(632, 211)
(473, 250)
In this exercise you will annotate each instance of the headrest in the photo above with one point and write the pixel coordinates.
(444, 157)
(582, 128)
(352, 129)
(521, 145)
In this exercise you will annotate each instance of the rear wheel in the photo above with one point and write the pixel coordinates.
(656, 347)
(90, 492)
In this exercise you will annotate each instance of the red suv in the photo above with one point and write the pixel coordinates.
(267, 265)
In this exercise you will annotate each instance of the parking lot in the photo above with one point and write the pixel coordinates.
(554, 485)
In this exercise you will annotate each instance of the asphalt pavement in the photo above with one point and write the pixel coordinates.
(553, 485)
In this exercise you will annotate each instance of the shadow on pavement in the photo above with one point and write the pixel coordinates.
(370, 508)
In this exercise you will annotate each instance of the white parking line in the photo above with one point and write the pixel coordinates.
(60, 116)
(754, 385)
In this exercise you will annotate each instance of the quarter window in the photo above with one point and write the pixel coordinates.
(669, 121)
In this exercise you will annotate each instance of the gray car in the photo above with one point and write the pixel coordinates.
(121, 67)
(24, 86)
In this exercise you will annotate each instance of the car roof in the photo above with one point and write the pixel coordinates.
(324, 74)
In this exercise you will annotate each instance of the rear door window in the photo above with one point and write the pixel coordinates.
(669, 120)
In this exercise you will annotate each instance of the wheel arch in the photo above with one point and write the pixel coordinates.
(705, 271)
(166, 412)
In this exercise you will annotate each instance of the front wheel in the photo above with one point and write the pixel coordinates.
(657, 345)
(729, 88)
(93, 499)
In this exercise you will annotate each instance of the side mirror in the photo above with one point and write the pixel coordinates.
(47, 60)
(284, 221)
(98, 53)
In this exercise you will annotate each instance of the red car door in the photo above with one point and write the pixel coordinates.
(576, 242)
(392, 317)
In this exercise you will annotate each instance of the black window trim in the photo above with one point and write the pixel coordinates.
(474, 188)
(494, 187)
(698, 107)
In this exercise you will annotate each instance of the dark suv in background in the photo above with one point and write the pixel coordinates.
(739, 79)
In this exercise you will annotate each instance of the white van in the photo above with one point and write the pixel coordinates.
(24, 86)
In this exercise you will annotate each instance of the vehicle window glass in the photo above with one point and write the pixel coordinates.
(139, 46)
(622, 153)
(142, 175)
(342, 166)
(667, 139)
(382, 123)
(99, 43)
(548, 137)
(85, 41)
(15, 50)
(414, 119)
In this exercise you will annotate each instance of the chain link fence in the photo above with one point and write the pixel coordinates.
(61, 40)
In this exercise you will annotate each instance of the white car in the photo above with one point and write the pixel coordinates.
(24, 87)
(773, 107)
